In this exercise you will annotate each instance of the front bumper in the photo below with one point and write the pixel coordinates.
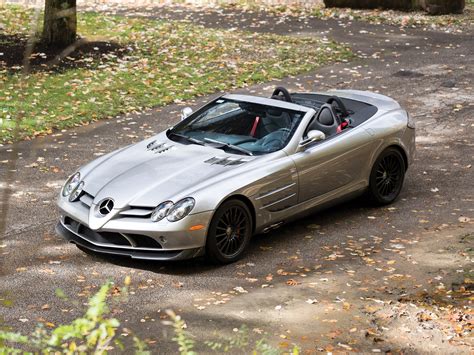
(156, 254)
(138, 238)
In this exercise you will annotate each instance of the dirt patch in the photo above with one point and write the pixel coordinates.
(83, 53)
(373, 295)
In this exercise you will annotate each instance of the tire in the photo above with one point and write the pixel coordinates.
(386, 177)
(229, 232)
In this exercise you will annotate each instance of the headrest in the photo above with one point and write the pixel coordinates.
(325, 116)
(278, 97)
(274, 112)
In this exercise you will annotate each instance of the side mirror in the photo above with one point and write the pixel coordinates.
(186, 112)
(313, 136)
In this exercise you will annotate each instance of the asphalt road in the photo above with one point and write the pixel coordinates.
(429, 73)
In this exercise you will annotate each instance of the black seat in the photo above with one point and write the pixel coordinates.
(325, 121)
(274, 120)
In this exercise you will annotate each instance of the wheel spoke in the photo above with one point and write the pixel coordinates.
(240, 222)
(228, 246)
(239, 219)
(220, 242)
(233, 243)
(226, 218)
(232, 213)
(236, 215)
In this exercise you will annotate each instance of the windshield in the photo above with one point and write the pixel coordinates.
(243, 127)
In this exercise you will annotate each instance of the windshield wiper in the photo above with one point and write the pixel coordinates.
(189, 139)
(228, 145)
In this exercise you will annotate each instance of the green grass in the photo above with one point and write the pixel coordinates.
(166, 62)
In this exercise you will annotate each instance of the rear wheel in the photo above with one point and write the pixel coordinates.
(229, 232)
(387, 176)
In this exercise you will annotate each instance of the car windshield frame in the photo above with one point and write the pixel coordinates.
(239, 126)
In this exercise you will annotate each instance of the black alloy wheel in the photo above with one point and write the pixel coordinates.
(229, 232)
(387, 176)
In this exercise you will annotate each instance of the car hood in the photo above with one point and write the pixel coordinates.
(156, 170)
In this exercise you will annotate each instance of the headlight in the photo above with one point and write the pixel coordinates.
(161, 211)
(181, 209)
(76, 192)
(71, 184)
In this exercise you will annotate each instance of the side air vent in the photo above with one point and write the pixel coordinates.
(157, 147)
(226, 161)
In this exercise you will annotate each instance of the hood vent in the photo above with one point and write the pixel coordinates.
(226, 161)
(157, 147)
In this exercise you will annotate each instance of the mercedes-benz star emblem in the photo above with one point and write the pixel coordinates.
(106, 206)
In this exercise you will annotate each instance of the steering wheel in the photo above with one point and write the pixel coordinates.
(281, 90)
(340, 104)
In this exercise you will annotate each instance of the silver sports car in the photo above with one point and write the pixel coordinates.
(238, 166)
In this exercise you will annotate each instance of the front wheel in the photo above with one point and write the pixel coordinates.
(229, 232)
(387, 176)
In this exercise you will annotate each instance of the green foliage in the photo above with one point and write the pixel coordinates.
(92, 333)
(240, 341)
(181, 337)
(96, 333)
(158, 63)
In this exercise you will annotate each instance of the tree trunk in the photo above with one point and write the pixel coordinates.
(440, 7)
(60, 22)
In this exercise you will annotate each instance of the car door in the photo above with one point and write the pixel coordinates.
(332, 164)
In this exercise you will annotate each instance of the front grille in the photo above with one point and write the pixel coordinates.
(133, 211)
(112, 239)
(138, 212)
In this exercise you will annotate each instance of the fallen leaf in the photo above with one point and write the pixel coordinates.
(240, 289)
(292, 282)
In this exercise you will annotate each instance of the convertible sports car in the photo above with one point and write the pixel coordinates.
(238, 166)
